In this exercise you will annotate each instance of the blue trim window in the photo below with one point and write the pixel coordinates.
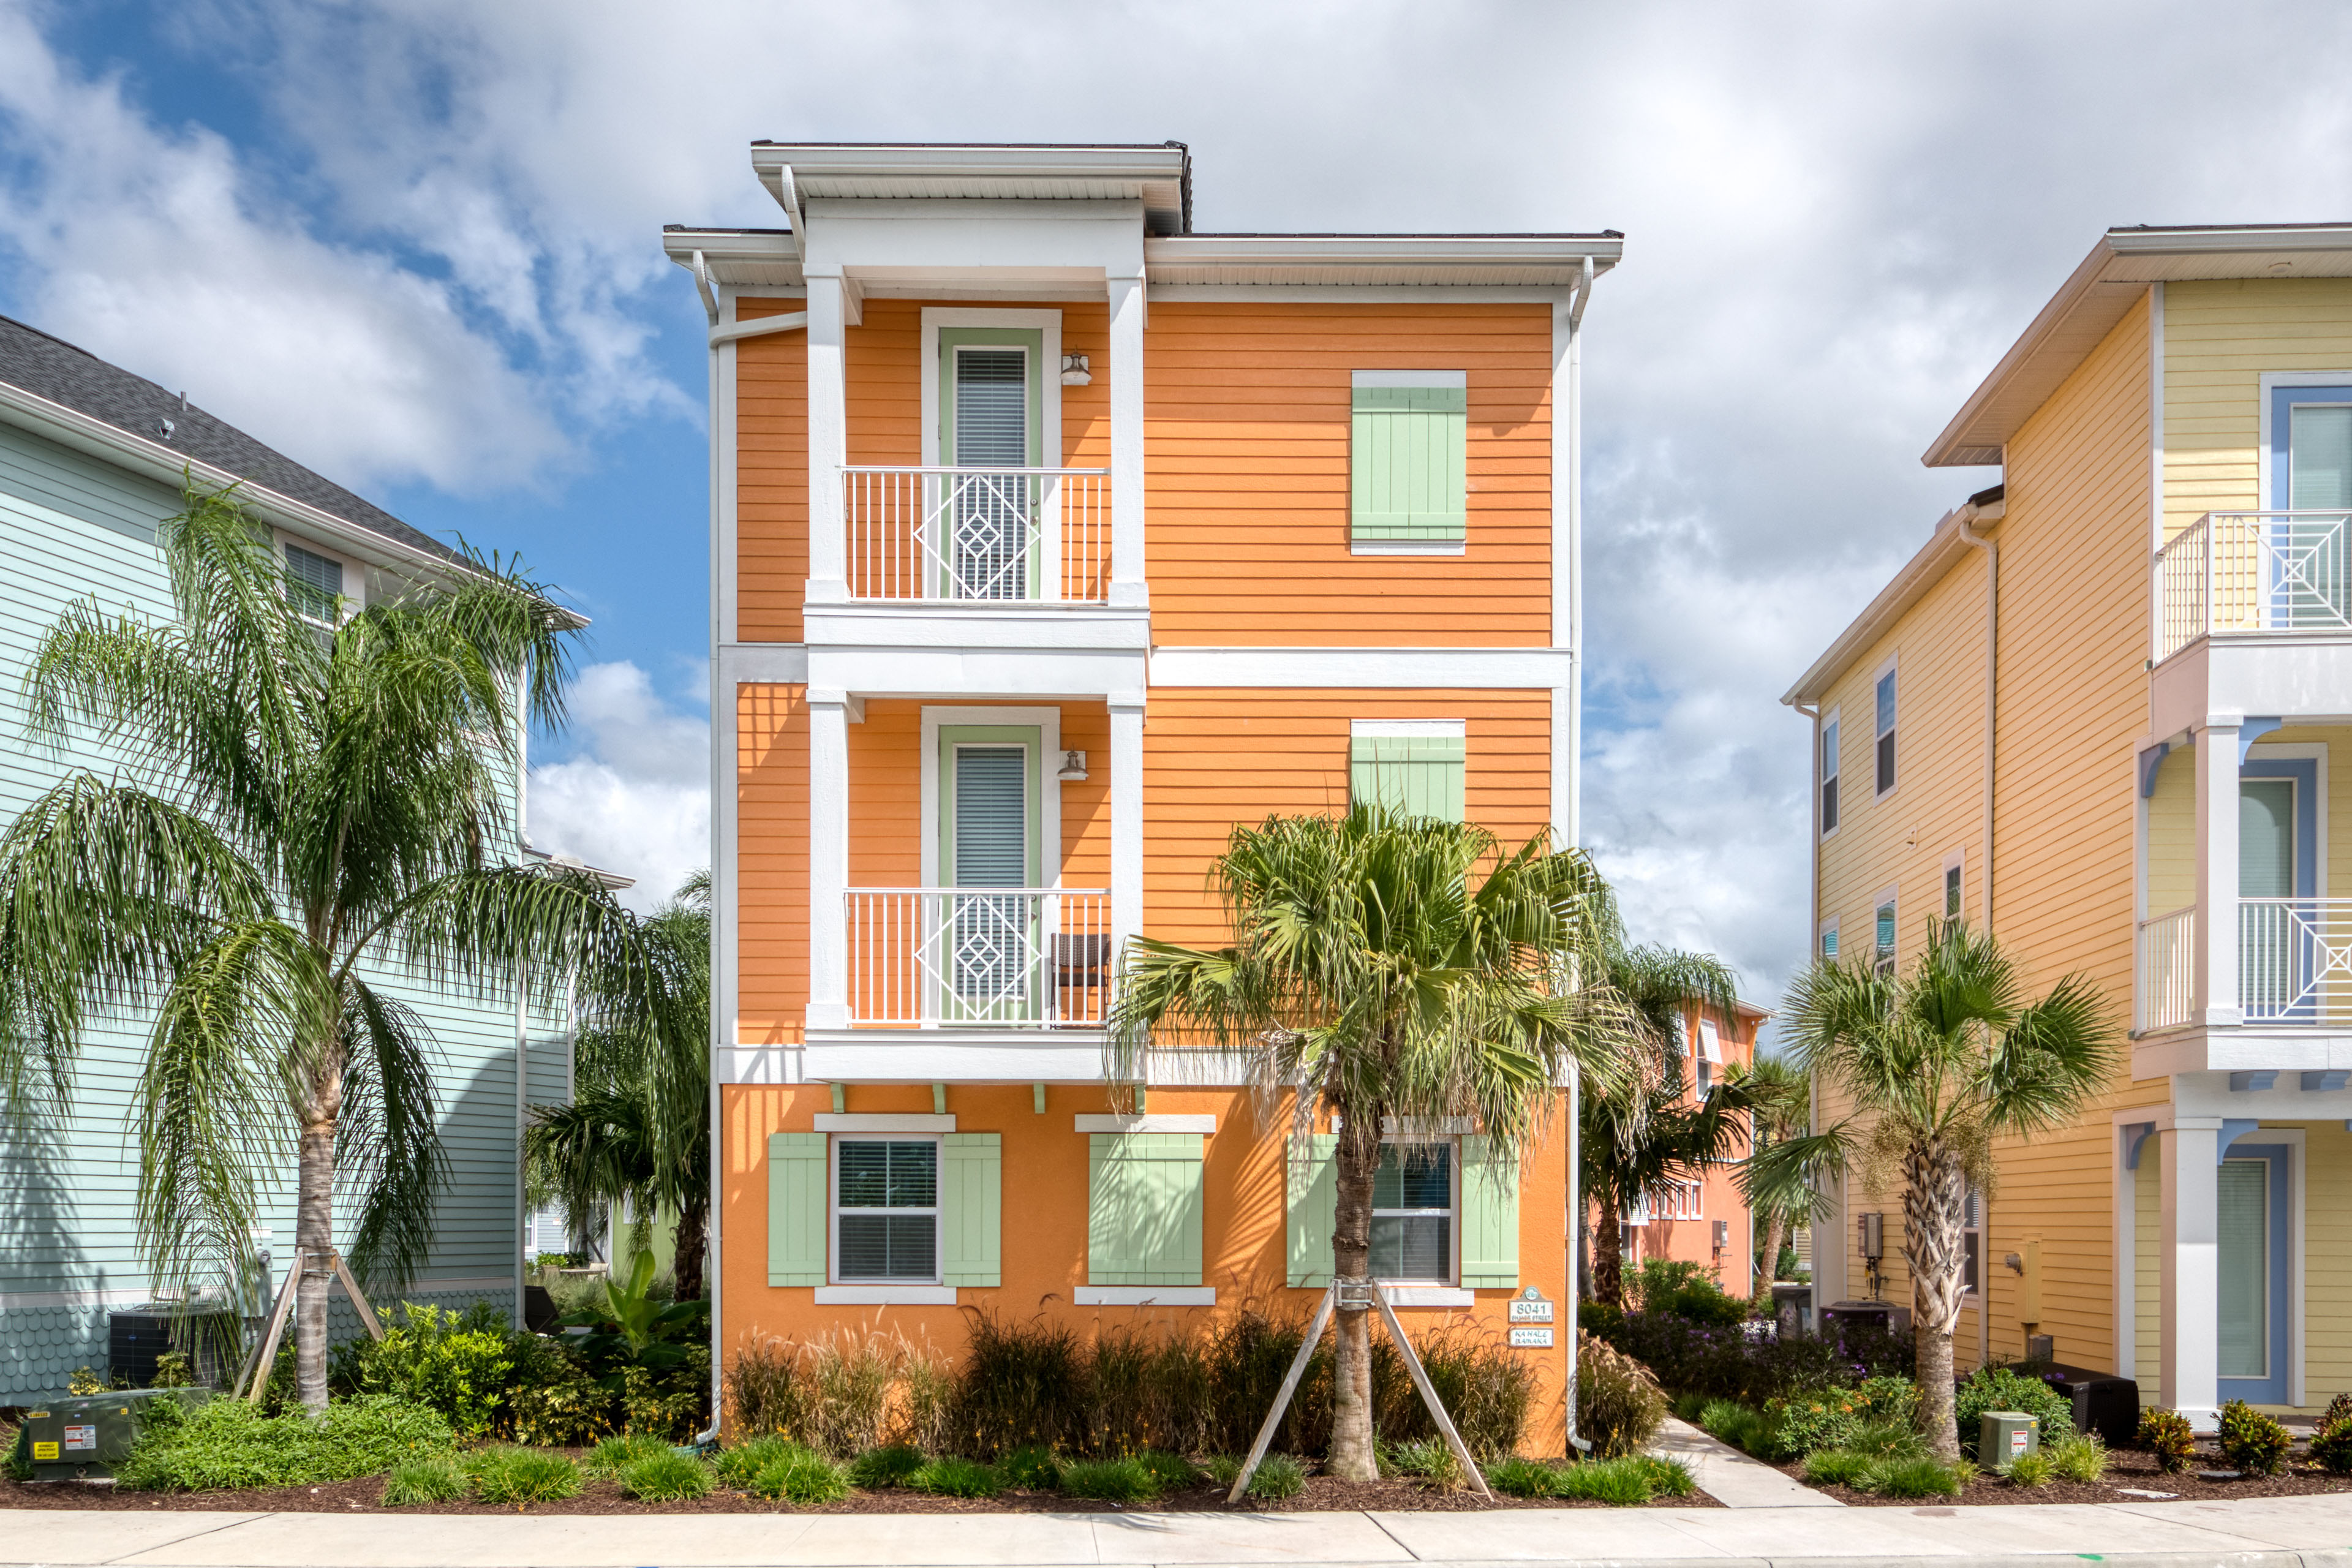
(1829, 773)
(2307, 556)
(1883, 953)
(1885, 732)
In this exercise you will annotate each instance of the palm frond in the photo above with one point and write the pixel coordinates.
(2050, 1060)
(1792, 1177)
(388, 1151)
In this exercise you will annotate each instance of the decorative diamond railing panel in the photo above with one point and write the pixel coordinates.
(2254, 571)
(965, 535)
(2295, 961)
(1017, 957)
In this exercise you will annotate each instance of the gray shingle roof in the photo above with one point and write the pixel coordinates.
(51, 368)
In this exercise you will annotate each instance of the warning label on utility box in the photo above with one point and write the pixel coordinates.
(82, 1438)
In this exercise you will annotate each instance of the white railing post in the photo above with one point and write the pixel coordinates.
(828, 439)
(1127, 584)
(2189, 1153)
(828, 938)
(2217, 1003)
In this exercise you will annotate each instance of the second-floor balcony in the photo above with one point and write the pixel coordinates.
(2234, 571)
(978, 535)
(1018, 958)
(2294, 964)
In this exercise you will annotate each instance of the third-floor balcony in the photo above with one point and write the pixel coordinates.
(2254, 571)
(982, 536)
(2293, 966)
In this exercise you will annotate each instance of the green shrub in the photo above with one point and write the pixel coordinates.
(1223, 1469)
(957, 1477)
(2338, 1409)
(1618, 1403)
(2331, 1446)
(458, 1363)
(555, 1402)
(1882, 1441)
(523, 1476)
(1689, 1407)
(765, 1397)
(667, 1476)
(1912, 1479)
(885, 1467)
(739, 1463)
(1516, 1476)
(1889, 1401)
(1110, 1480)
(2168, 1434)
(1485, 1387)
(1623, 1482)
(229, 1442)
(2079, 1457)
(1430, 1460)
(613, 1455)
(1824, 1418)
(1279, 1476)
(1736, 1425)
(1170, 1472)
(1668, 1477)
(1021, 1385)
(2005, 1388)
(2034, 1469)
(2251, 1441)
(1033, 1468)
(429, 1478)
(804, 1478)
(1837, 1468)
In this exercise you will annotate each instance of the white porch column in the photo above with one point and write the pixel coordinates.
(1127, 584)
(2216, 1002)
(828, 440)
(1126, 820)
(828, 1006)
(2191, 1293)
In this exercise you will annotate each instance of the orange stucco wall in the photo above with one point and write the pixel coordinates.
(1044, 1234)
(1692, 1240)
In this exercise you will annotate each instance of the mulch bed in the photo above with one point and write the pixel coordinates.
(2126, 1468)
(1323, 1494)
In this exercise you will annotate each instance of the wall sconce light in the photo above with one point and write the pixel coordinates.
(1074, 768)
(1076, 372)
(2016, 1264)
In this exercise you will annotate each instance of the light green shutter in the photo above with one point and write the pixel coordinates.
(1490, 1217)
(1420, 775)
(1143, 1208)
(796, 1208)
(1406, 463)
(971, 1208)
(1311, 1187)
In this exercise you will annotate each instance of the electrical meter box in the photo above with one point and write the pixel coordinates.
(2006, 1435)
(83, 1437)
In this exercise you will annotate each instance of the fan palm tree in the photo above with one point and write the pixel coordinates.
(638, 1125)
(1936, 1064)
(1637, 1134)
(1385, 966)
(309, 800)
(1780, 1097)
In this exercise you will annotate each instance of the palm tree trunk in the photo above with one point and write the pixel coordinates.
(314, 1236)
(1935, 1200)
(1357, 1162)
(693, 1225)
(1773, 1223)
(1608, 1251)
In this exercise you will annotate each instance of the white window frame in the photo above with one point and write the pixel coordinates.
(1049, 722)
(1826, 941)
(1881, 959)
(1684, 1200)
(1973, 1235)
(1956, 862)
(354, 593)
(1453, 1147)
(833, 1209)
(1885, 672)
(1049, 323)
(1831, 744)
(1706, 1054)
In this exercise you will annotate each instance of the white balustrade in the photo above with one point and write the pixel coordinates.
(977, 534)
(2295, 961)
(977, 957)
(2254, 571)
(2168, 970)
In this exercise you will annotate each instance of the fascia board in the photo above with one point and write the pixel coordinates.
(2254, 238)
(815, 160)
(1958, 446)
(1387, 250)
(1922, 571)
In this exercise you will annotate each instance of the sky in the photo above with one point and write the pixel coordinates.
(416, 245)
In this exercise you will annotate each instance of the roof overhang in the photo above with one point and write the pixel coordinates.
(1921, 572)
(1474, 260)
(2106, 285)
(1160, 177)
(738, 258)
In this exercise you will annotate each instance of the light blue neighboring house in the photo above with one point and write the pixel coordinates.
(91, 458)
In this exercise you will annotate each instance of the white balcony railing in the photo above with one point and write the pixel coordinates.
(2168, 974)
(1010, 957)
(979, 534)
(2295, 961)
(2254, 571)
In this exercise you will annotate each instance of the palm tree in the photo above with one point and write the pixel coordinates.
(1385, 966)
(1780, 1097)
(639, 1123)
(1937, 1063)
(1636, 1135)
(309, 801)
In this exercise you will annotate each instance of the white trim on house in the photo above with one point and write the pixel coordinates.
(881, 1122)
(1890, 666)
(1147, 1124)
(885, 1295)
(833, 1210)
(1143, 1295)
(1048, 370)
(1514, 669)
(1048, 724)
(1404, 1296)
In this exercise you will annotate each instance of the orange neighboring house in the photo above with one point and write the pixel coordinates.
(1707, 1221)
(1052, 540)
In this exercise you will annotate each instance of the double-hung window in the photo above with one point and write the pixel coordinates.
(1829, 939)
(1413, 1209)
(1972, 1243)
(1680, 1200)
(1710, 1054)
(1955, 886)
(1407, 462)
(1881, 955)
(1885, 732)
(314, 588)
(1829, 773)
(886, 1211)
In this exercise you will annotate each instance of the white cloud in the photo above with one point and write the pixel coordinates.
(636, 796)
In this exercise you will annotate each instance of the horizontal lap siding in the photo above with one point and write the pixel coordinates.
(772, 862)
(2220, 337)
(885, 382)
(2327, 1263)
(772, 478)
(1246, 445)
(1215, 759)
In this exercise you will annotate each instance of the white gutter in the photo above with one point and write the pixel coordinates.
(1575, 784)
(1968, 516)
(758, 327)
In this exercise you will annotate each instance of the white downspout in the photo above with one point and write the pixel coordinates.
(522, 1014)
(1574, 822)
(1968, 515)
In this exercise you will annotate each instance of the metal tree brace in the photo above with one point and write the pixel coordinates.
(1357, 1293)
(256, 1371)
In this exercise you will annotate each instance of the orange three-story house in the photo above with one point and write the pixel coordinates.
(1051, 541)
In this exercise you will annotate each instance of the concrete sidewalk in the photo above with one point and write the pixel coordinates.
(2278, 1532)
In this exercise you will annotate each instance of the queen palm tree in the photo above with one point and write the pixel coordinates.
(311, 800)
(637, 1126)
(1936, 1064)
(1385, 966)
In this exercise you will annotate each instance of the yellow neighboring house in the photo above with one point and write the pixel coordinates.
(2097, 712)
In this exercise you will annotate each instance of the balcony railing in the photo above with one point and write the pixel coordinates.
(1009, 957)
(979, 534)
(2168, 974)
(2254, 571)
(2295, 961)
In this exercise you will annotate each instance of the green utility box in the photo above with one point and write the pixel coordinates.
(83, 1437)
(2003, 1436)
